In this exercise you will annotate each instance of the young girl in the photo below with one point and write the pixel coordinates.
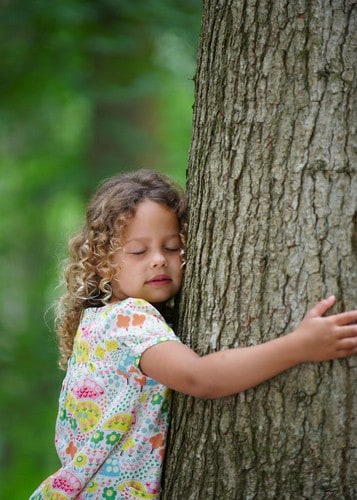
(121, 355)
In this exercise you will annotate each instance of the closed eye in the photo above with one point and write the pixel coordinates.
(140, 252)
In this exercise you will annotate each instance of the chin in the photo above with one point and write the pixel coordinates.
(160, 300)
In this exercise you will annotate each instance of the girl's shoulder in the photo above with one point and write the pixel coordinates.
(130, 322)
(125, 307)
(132, 305)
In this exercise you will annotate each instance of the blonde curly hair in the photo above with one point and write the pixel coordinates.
(88, 271)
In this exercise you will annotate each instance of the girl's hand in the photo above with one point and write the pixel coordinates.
(321, 338)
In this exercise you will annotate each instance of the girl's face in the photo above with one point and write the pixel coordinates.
(149, 263)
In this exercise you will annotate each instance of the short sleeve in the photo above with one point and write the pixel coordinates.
(138, 326)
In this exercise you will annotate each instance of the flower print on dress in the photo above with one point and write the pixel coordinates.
(138, 319)
(62, 414)
(111, 345)
(80, 460)
(71, 449)
(156, 399)
(87, 414)
(85, 331)
(97, 437)
(113, 438)
(100, 352)
(138, 377)
(87, 389)
(111, 415)
(137, 457)
(91, 488)
(128, 445)
(126, 361)
(111, 467)
(109, 492)
(130, 490)
(157, 441)
(125, 375)
(81, 350)
(165, 406)
(73, 423)
(120, 422)
(123, 321)
(66, 482)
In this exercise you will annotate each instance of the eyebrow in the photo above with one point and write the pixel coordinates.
(143, 239)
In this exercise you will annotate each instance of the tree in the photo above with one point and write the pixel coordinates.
(272, 196)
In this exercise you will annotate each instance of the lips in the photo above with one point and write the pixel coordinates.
(160, 279)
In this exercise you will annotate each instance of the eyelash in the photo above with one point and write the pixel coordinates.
(167, 249)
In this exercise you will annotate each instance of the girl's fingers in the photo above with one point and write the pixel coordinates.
(321, 307)
(347, 332)
(347, 352)
(345, 317)
(347, 344)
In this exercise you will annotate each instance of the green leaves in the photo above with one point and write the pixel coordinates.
(87, 89)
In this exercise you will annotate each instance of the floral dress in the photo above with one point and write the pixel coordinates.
(112, 422)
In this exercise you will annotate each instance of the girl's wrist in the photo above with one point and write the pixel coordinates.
(296, 347)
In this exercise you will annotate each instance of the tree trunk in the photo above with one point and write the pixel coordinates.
(272, 230)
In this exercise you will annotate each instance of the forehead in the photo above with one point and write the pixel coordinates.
(152, 217)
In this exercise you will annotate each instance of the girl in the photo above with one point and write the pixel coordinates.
(121, 355)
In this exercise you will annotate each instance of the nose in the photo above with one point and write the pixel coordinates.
(158, 260)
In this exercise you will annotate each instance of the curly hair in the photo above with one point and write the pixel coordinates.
(88, 271)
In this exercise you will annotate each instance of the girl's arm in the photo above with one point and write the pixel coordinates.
(231, 371)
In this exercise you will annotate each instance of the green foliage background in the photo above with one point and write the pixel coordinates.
(87, 89)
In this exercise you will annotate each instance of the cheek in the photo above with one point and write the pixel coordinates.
(179, 268)
(121, 265)
(120, 272)
(123, 275)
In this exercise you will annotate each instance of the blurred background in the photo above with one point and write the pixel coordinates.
(87, 89)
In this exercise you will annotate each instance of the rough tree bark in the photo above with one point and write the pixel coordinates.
(272, 193)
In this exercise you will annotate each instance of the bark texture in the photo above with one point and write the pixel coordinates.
(272, 191)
